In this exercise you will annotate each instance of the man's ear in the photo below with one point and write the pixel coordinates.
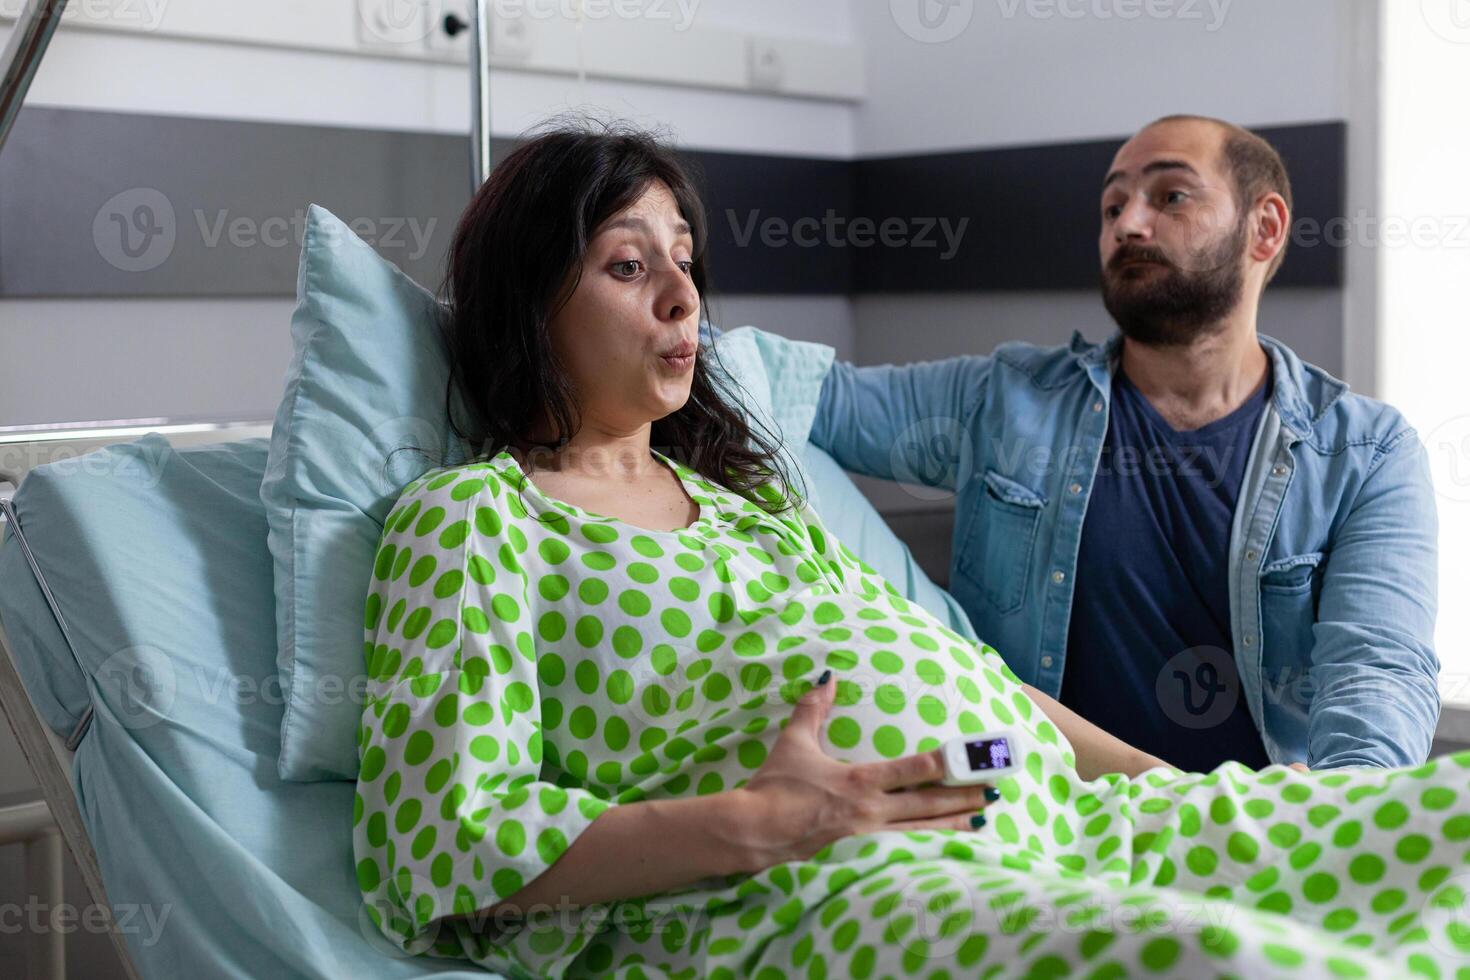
(1270, 226)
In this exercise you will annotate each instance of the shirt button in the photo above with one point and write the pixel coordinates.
(1046, 660)
(1075, 488)
(1097, 406)
(1279, 470)
(1059, 577)
(1250, 556)
(1250, 641)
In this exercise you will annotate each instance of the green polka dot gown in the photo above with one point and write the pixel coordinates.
(532, 664)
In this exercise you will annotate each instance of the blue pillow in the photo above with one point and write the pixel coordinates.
(368, 377)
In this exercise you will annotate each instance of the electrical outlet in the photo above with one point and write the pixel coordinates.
(394, 25)
(767, 64)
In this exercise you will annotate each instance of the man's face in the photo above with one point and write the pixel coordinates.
(1173, 241)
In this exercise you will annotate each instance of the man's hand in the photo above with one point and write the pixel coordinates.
(1300, 767)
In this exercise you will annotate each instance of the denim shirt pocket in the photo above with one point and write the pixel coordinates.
(1002, 537)
(1290, 588)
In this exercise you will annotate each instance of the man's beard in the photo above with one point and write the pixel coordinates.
(1176, 307)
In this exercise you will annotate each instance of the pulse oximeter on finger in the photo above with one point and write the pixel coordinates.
(981, 758)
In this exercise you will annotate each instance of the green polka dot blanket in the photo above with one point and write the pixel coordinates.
(532, 664)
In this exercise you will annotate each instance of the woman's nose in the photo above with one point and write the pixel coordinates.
(677, 299)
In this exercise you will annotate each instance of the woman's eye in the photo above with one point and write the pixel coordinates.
(1175, 197)
(686, 267)
(627, 268)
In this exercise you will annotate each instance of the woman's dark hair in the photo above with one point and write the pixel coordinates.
(517, 256)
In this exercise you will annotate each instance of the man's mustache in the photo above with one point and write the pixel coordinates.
(1137, 253)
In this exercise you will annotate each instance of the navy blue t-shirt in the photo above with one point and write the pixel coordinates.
(1149, 651)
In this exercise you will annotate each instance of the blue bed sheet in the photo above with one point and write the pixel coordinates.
(214, 866)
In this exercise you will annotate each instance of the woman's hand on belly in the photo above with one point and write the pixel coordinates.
(801, 799)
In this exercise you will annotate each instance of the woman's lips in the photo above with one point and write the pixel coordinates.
(681, 358)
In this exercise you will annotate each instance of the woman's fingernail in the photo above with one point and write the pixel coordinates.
(977, 821)
(991, 795)
(826, 676)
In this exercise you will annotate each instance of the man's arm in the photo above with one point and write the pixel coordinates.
(906, 423)
(1374, 669)
(1098, 751)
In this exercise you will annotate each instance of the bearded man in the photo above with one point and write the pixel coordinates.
(1186, 535)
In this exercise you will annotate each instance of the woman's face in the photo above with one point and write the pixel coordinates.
(627, 336)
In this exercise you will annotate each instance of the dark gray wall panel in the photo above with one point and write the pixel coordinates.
(96, 204)
(1034, 213)
(121, 204)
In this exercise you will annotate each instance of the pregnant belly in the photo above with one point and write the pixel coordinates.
(904, 683)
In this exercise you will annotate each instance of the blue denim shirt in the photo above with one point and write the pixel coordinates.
(1333, 564)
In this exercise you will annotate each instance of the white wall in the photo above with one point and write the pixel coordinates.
(1424, 337)
(71, 360)
(1045, 71)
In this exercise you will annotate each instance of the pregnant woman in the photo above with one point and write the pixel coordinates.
(634, 711)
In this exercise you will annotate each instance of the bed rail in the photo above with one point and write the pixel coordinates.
(33, 30)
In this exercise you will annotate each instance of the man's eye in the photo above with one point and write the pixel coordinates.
(1175, 197)
(627, 268)
(1112, 211)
